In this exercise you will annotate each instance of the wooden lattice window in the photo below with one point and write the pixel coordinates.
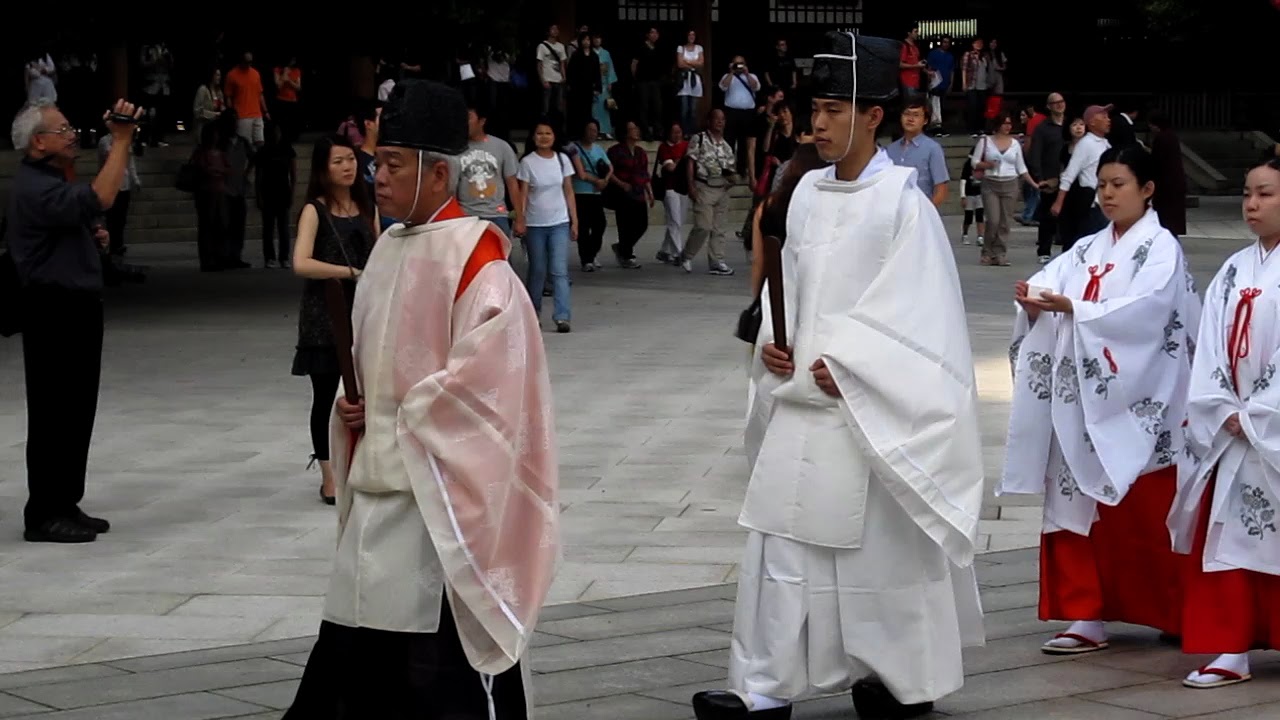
(956, 28)
(651, 10)
(800, 12)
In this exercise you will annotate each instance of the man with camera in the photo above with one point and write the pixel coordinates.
(740, 86)
(712, 171)
(56, 237)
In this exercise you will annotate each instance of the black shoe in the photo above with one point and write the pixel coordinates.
(562, 326)
(721, 705)
(873, 701)
(98, 525)
(60, 530)
(328, 499)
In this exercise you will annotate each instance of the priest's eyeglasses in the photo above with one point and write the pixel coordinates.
(65, 131)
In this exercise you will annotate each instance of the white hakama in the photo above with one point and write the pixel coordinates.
(813, 620)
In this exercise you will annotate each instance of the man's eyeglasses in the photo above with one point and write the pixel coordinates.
(65, 130)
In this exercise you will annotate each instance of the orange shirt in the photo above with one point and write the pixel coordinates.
(244, 92)
(287, 92)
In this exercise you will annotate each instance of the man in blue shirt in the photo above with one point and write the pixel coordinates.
(923, 153)
(942, 68)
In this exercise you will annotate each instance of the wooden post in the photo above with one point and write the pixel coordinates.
(116, 67)
(697, 16)
(564, 14)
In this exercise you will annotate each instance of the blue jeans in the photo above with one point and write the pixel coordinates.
(688, 112)
(1030, 201)
(549, 246)
(503, 222)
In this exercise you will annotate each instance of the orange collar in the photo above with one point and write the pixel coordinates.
(451, 210)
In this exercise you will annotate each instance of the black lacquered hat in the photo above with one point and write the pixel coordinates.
(424, 115)
(875, 63)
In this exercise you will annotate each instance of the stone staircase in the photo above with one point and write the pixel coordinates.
(1230, 153)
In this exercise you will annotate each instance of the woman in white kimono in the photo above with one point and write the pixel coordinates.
(1101, 362)
(1225, 514)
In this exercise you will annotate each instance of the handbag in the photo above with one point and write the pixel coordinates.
(188, 178)
(749, 322)
(978, 174)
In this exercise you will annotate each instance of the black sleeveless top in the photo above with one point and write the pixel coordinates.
(344, 241)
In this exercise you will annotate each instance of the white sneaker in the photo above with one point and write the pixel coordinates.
(269, 264)
(687, 265)
(1044, 259)
(964, 240)
(720, 268)
(980, 241)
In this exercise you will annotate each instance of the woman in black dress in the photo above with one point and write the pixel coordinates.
(335, 236)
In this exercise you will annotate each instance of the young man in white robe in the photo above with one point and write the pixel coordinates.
(1225, 514)
(1101, 361)
(446, 466)
(866, 463)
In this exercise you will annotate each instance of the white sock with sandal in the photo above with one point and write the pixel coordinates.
(1235, 667)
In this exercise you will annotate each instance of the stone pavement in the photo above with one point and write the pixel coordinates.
(643, 657)
(219, 538)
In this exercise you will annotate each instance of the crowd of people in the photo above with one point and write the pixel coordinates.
(1141, 410)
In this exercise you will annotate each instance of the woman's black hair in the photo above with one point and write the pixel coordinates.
(1136, 158)
(1000, 119)
(804, 159)
(531, 145)
(318, 184)
(1270, 159)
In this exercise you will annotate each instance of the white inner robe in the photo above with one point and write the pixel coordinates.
(859, 560)
(1243, 525)
(1099, 393)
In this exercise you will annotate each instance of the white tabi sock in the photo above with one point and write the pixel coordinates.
(764, 702)
(1092, 629)
(1237, 663)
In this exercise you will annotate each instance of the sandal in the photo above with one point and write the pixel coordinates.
(1228, 678)
(1086, 645)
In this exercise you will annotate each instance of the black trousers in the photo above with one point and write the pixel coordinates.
(649, 95)
(116, 216)
(591, 226)
(157, 118)
(1048, 231)
(211, 230)
(324, 390)
(737, 129)
(975, 109)
(237, 217)
(275, 232)
(364, 674)
(62, 356)
(633, 222)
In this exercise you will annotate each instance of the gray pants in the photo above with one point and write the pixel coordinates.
(999, 198)
(710, 220)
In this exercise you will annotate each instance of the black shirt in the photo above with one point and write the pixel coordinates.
(653, 65)
(50, 228)
(781, 70)
(274, 165)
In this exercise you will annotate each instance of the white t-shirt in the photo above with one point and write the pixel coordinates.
(384, 90)
(547, 206)
(1008, 164)
(550, 61)
(689, 89)
(738, 94)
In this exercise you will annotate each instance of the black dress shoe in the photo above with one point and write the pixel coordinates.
(721, 705)
(873, 701)
(60, 530)
(328, 499)
(98, 525)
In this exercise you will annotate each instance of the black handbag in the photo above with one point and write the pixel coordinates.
(749, 322)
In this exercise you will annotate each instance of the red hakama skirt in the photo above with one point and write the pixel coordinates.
(1230, 611)
(1125, 570)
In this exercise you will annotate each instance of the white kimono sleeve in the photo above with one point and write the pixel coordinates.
(902, 362)
(1127, 371)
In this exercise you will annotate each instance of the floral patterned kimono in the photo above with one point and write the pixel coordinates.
(1225, 513)
(1096, 423)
